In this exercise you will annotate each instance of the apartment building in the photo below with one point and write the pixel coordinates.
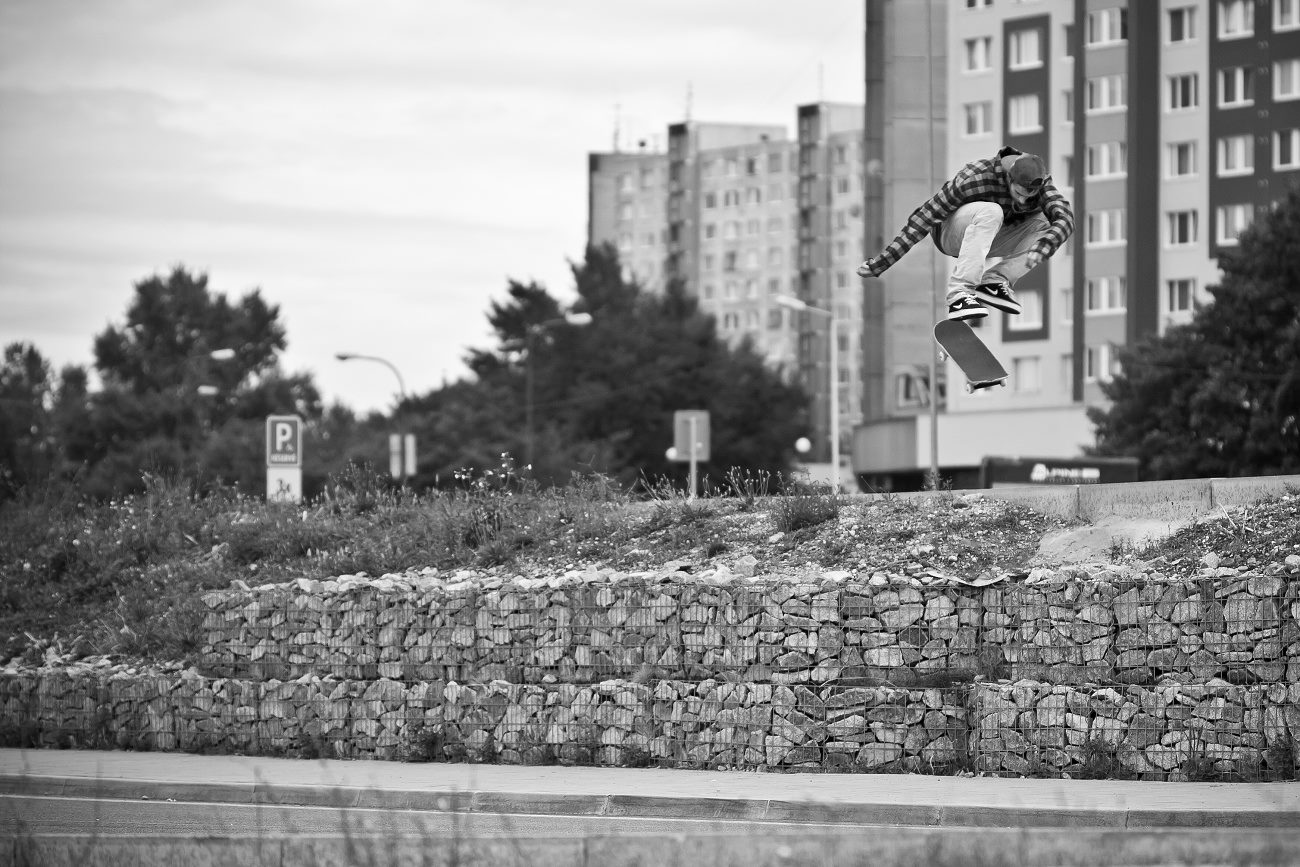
(1170, 125)
(747, 219)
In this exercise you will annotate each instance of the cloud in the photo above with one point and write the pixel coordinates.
(380, 170)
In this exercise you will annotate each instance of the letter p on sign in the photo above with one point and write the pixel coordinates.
(283, 441)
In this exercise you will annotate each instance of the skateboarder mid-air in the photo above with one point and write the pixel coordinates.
(999, 218)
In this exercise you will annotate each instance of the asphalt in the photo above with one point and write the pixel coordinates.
(869, 799)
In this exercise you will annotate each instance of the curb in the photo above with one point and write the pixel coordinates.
(649, 806)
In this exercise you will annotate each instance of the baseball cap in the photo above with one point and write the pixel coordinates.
(1028, 171)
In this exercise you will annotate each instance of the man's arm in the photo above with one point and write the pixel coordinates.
(1060, 219)
(933, 211)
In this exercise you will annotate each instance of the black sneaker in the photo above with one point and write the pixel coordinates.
(966, 307)
(998, 295)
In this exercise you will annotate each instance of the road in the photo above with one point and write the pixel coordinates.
(41, 817)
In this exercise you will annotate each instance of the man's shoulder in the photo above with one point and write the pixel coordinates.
(978, 173)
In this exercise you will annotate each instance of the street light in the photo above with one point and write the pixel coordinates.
(401, 395)
(832, 377)
(530, 334)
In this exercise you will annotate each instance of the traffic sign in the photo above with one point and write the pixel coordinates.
(691, 434)
(283, 441)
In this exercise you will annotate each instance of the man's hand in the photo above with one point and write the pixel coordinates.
(870, 268)
(1033, 259)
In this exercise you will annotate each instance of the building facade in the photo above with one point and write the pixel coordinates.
(1171, 125)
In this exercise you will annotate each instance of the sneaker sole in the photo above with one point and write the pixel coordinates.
(968, 314)
(999, 303)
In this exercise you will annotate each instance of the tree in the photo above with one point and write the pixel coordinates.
(604, 393)
(1221, 395)
(151, 413)
(25, 403)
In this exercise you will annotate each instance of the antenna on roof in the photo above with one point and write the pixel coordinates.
(617, 110)
(821, 82)
(689, 94)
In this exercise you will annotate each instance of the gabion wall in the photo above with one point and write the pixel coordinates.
(1179, 732)
(1092, 672)
(1064, 627)
(689, 724)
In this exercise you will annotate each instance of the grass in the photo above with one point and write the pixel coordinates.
(123, 577)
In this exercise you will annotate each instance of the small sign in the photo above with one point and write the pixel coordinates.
(691, 434)
(284, 484)
(283, 441)
(401, 455)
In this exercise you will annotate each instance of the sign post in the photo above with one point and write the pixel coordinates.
(691, 441)
(284, 458)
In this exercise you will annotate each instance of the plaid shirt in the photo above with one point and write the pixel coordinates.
(983, 181)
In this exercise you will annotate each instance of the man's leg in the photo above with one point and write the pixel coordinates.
(1011, 245)
(969, 235)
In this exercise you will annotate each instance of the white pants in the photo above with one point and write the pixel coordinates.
(987, 251)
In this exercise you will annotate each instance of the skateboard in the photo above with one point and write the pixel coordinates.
(981, 367)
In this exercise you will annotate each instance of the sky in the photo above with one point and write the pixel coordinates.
(378, 169)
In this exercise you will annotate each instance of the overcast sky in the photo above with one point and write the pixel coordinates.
(378, 169)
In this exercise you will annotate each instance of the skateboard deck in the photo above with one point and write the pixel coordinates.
(962, 344)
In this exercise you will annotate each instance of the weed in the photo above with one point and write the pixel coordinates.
(803, 505)
(748, 487)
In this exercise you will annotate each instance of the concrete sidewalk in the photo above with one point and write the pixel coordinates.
(875, 799)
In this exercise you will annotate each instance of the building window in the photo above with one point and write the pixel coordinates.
(1067, 305)
(979, 118)
(1236, 155)
(710, 200)
(1236, 86)
(1107, 26)
(1180, 295)
(978, 54)
(910, 389)
(1232, 221)
(1286, 79)
(1067, 106)
(1023, 50)
(1286, 149)
(1182, 92)
(1025, 374)
(1031, 314)
(1236, 18)
(1107, 159)
(1100, 363)
(1181, 228)
(1180, 159)
(710, 230)
(1022, 114)
(1286, 14)
(1106, 93)
(1105, 227)
(1181, 23)
(1106, 295)
(978, 4)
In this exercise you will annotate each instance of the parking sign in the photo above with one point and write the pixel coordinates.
(283, 441)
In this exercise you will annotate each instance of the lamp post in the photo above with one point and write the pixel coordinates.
(401, 394)
(530, 335)
(832, 376)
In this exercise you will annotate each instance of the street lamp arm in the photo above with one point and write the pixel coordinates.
(401, 384)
